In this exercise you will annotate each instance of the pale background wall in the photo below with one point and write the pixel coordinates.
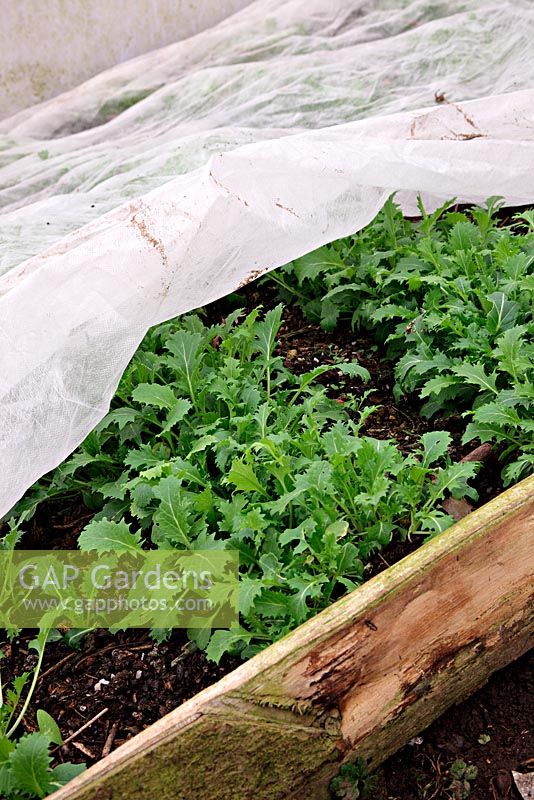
(48, 46)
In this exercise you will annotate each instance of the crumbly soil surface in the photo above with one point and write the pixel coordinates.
(120, 684)
(117, 685)
(492, 730)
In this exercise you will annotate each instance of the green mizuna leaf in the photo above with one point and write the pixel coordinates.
(313, 264)
(152, 394)
(354, 370)
(304, 590)
(145, 456)
(30, 763)
(485, 432)
(185, 347)
(476, 375)
(439, 384)
(497, 414)
(503, 312)
(172, 515)
(454, 479)
(513, 353)
(435, 445)
(243, 477)
(176, 414)
(120, 416)
(223, 642)
(106, 536)
(249, 590)
(267, 330)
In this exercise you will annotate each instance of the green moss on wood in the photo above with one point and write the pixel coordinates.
(269, 760)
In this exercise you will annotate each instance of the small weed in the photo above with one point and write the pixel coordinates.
(462, 776)
(353, 782)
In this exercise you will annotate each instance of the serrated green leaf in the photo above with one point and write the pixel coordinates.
(79, 460)
(497, 414)
(106, 536)
(435, 521)
(267, 329)
(518, 469)
(186, 357)
(306, 589)
(313, 264)
(354, 370)
(476, 375)
(6, 748)
(153, 394)
(146, 456)
(185, 347)
(249, 590)
(273, 604)
(463, 236)
(435, 386)
(202, 443)
(172, 515)
(115, 489)
(120, 417)
(272, 567)
(243, 477)
(223, 642)
(421, 363)
(6, 782)
(160, 635)
(177, 413)
(299, 535)
(509, 351)
(454, 479)
(503, 313)
(435, 445)
(200, 636)
(329, 314)
(18, 683)
(486, 432)
(30, 763)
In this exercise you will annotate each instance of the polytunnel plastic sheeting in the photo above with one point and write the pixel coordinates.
(115, 219)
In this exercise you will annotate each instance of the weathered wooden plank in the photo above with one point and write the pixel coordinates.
(360, 679)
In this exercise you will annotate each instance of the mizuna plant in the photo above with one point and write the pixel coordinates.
(452, 296)
(213, 443)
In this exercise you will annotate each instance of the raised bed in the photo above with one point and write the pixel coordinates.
(358, 680)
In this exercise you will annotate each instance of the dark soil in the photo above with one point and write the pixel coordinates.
(127, 679)
(493, 729)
